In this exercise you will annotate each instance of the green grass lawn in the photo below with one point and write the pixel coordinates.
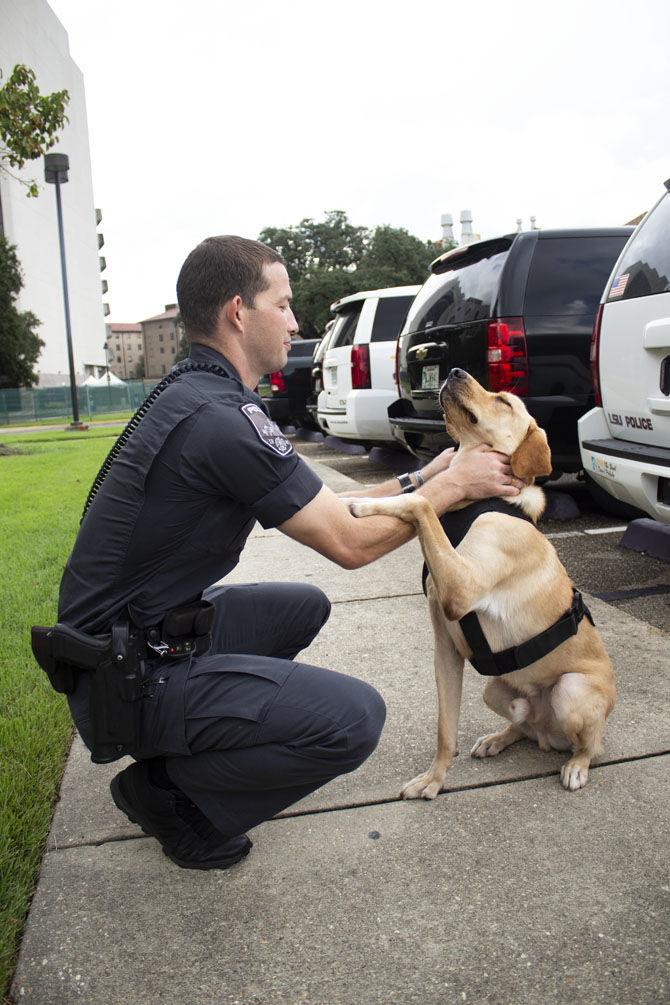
(22, 441)
(42, 493)
(56, 420)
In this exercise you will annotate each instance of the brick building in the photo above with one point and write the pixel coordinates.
(161, 341)
(125, 349)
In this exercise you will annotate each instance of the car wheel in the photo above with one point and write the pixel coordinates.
(307, 422)
(609, 504)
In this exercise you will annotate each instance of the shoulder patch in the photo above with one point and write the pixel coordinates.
(268, 432)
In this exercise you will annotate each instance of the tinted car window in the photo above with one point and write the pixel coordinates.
(389, 318)
(345, 326)
(464, 289)
(324, 344)
(568, 274)
(646, 262)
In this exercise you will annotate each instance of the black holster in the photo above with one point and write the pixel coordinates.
(115, 686)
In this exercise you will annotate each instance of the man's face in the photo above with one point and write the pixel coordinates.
(270, 323)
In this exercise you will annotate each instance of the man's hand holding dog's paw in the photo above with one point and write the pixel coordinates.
(365, 506)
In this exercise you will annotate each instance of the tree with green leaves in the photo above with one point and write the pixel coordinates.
(333, 243)
(29, 122)
(20, 344)
(394, 257)
(332, 258)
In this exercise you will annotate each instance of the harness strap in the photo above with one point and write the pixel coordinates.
(492, 664)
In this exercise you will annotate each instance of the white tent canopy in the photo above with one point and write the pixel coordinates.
(103, 381)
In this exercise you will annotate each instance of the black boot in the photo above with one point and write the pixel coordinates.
(185, 834)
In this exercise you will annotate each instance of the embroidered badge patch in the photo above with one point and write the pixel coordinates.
(268, 432)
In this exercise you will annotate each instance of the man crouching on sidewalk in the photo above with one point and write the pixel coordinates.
(229, 738)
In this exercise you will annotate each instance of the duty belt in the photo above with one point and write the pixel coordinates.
(117, 662)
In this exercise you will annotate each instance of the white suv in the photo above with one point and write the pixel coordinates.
(625, 441)
(359, 364)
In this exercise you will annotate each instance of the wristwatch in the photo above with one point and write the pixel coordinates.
(406, 483)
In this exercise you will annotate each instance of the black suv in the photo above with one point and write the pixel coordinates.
(286, 392)
(517, 313)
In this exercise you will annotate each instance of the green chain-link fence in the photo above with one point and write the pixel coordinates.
(21, 406)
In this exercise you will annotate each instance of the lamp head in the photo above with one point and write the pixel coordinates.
(56, 167)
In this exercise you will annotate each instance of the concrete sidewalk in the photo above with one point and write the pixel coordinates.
(505, 888)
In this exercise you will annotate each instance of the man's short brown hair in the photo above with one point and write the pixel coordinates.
(216, 270)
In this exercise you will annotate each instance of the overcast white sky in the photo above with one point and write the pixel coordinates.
(219, 117)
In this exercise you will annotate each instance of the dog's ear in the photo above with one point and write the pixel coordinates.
(532, 457)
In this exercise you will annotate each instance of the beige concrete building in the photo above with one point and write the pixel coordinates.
(161, 342)
(30, 33)
(125, 349)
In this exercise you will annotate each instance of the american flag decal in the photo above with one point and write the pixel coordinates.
(619, 285)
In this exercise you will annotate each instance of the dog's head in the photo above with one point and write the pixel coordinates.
(473, 415)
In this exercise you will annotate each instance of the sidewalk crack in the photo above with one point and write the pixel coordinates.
(362, 804)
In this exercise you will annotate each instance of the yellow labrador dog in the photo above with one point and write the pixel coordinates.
(502, 599)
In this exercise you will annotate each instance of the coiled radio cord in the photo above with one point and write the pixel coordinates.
(137, 418)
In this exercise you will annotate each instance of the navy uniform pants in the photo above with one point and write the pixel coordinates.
(245, 730)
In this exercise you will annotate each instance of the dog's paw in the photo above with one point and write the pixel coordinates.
(424, 786)
(488, 746)
(574, 774)
(360, 507)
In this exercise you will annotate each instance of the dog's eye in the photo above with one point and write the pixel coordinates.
(504, 402)
(471, 417)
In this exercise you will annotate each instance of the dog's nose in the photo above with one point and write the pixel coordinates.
(457, 374)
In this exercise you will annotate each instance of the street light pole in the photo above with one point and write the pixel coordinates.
(56, 167)
(108, 351)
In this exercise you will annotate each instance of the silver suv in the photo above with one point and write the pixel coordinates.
(625, 440)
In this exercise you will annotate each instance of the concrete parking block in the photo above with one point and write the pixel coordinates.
(648, 536)
(515, 893)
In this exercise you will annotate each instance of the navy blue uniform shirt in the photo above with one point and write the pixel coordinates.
(179, 502)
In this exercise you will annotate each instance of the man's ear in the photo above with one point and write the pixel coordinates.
(532, 457)
(232, 312)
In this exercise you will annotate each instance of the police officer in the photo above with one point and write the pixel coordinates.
(228, 739)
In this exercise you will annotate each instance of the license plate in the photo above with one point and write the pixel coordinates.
(430, 378)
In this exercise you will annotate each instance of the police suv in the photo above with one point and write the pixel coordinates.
(625, 440)
(358, 369)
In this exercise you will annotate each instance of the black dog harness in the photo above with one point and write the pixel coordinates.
(456, 525)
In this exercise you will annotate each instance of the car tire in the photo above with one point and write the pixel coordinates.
(307, 422)
(609, 504)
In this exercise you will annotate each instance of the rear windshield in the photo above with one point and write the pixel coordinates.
(568, 274)
(645, 267)
(345, 326)
(465, 289)
(389, 318)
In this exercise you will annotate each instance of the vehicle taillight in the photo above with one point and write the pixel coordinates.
(507, 356)
(277, 382)
(360, 367)
(594, 358)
